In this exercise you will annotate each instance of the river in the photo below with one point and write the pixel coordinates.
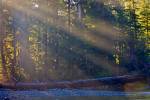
(72, 94)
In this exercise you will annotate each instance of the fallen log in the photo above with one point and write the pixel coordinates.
(89, 83)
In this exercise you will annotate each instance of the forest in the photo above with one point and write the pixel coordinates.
(56, 40)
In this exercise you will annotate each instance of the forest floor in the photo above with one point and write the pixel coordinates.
(72, 94)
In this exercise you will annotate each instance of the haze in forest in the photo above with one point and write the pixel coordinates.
(49, 40)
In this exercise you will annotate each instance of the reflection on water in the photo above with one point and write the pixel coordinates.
(69, 94)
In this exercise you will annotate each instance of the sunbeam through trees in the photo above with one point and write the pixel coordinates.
(69, 40)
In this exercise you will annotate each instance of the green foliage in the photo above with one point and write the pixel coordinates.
(56, 44)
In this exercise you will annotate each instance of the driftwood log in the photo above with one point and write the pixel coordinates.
(89, 83)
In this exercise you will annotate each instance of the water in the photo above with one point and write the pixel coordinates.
(72, 94)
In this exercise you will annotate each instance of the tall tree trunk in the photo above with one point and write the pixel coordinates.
(2, 32)
(69, 17)
(13, 73)
(79, 7)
